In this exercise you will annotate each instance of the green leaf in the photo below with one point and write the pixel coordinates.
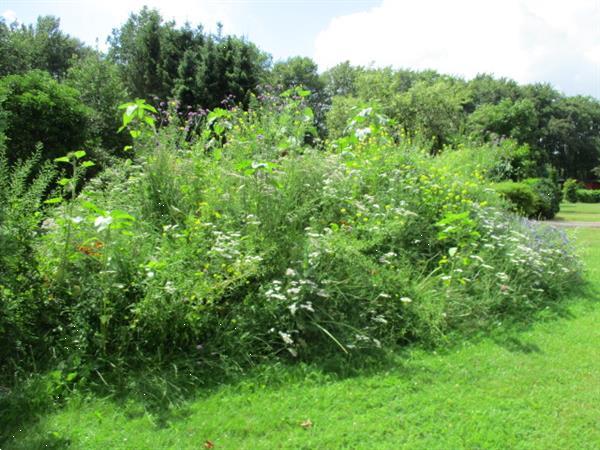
(71, 376)
(63, 159)
(79, 154)
(452, 251)
(121, 215)
(91, 207)
(54, 200)
(88, 164)
(149, 108)
(64, 181)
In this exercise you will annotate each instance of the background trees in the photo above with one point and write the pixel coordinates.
(157, 60)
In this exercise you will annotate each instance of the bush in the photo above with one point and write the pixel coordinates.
(549, 196)
(588, 196)
(533, 197)
(570, 188)
(523, 198)
(38, 109)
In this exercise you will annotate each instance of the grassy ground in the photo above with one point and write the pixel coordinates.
(531, 388)
(579, 212)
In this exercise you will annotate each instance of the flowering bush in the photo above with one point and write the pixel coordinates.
(246, 242)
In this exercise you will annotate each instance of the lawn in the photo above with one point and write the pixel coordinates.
(579, 212)
(528, 387)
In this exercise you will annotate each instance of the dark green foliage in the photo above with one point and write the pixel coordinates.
(39, 109)
(572, 136)
(570, 188)
(159, 61)
(588, 196)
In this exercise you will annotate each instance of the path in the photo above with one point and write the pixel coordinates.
(572, 224)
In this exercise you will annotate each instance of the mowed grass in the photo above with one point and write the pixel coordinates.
(579, 212)
(531, 388)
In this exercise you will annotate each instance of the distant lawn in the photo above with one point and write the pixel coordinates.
(532, 388)
(579, 212)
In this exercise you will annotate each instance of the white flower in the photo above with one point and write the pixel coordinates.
(77, 219)
(170, 288)
(405, 299)
(307, 306)
(48, 224)
(102, 222)
(290, 273)
(286, 337)
(362, 133)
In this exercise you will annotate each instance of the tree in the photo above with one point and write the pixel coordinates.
(43, 46)
(101, 89)
(297, 71)
(507, 119)
(432, 112)
(571, 136)
(485, 89)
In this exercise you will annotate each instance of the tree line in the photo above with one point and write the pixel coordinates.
(59, 92)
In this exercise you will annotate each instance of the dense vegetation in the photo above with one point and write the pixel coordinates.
(237, 217)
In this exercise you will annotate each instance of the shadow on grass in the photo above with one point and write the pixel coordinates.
(164, 392)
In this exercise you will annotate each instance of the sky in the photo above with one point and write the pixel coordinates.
(553, 41)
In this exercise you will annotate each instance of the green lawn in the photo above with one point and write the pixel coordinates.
(533, 388)
(579, 212)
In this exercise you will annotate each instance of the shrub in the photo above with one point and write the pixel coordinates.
(39, 109)
(549, 196)
(522, 196)
(570, 188)
(588, 196)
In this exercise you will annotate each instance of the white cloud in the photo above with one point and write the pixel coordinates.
(9, 16)
(528, 40)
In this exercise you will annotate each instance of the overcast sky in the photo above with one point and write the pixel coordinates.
(527, 40)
